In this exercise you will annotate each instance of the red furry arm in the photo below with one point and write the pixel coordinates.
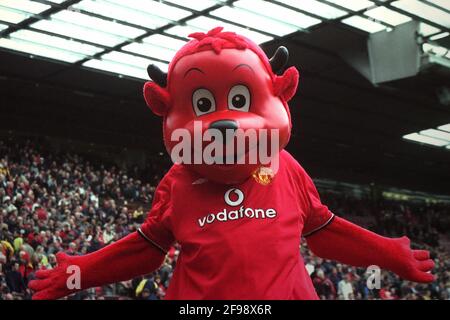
(351, 244)
(123, 260)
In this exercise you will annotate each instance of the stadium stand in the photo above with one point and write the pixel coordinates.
(51, 202)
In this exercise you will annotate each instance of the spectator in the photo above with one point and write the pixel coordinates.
(345, 288)
(324, 287)
(15, 280)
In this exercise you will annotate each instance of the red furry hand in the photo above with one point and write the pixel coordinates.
(413, 265)
(53, 284)
(125, 259)
(350, 244)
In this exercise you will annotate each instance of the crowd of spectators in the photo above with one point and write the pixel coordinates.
(334, 280)
(422, 222)
(51, 202)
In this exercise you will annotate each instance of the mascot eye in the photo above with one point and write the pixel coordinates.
(239, 98)
(203, 102)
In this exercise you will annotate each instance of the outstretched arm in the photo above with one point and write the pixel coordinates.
(127, 258)
(348, 243)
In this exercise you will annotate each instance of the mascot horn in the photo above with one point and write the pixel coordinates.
(239, 214)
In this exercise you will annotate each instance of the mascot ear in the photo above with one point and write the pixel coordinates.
(157, 98)
(155, 94)
(285, 86)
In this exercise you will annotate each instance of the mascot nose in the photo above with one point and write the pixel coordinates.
(224, 125)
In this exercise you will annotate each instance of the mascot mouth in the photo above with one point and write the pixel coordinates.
(239, 158)
(227, 154)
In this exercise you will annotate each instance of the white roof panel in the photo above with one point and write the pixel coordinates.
(364, 24)
(424, 10)
(124, 35)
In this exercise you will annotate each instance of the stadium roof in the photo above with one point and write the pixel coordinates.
(124, 36)
(439, 137)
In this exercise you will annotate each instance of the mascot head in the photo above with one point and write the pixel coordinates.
(224, 106)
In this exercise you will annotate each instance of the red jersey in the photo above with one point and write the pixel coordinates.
(237, 241)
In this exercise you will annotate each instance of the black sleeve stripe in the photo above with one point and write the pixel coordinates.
(150, 241)
(321, 227)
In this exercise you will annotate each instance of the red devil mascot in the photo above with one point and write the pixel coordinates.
(239, 222)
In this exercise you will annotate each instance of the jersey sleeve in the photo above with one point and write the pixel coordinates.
(315, 214)
(156, 229)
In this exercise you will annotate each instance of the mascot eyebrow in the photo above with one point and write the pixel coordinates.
(192, 69)
(244, 65)
(201, 71)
